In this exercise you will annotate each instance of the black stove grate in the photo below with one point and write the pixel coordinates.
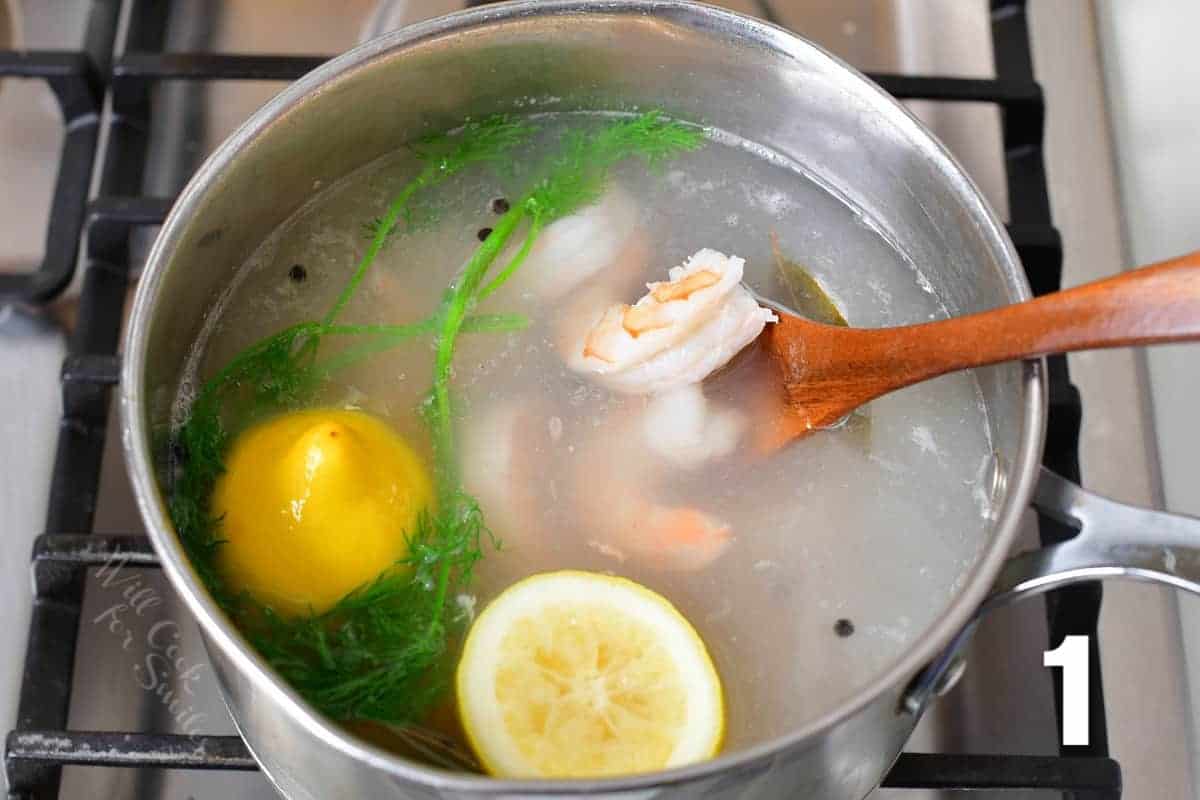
(41, 745)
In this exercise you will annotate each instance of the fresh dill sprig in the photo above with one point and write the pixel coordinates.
(373, 227)
(416, 216)
(444, 155)
(374, 655)
(379, 652)
(578, 175)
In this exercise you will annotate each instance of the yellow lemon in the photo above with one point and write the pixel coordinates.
(314, 504)
(577, 674)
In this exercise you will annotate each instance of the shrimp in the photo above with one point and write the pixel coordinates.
(681, 427)
(578, 312)
(673, 538)
(602, 237)
(678, 333)
(509, 452)
(683, 539)
(618, 476)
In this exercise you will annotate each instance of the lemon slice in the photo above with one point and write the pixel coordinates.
(577, 674)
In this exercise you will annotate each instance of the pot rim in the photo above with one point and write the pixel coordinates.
(135, 434)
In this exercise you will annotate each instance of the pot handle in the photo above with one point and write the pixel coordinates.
(1114, 541)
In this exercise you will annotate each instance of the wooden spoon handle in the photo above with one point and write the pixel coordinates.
(1154, 304)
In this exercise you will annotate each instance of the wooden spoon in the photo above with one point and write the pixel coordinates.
(826, 372)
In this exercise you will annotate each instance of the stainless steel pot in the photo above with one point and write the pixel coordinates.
(701, 64)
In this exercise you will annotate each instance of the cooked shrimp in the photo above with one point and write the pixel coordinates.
(666, 314)
(578, 312)
(684, 539)
(604, 236)
(681, 427)
(619, 475)
(678, 333)
(674, 538)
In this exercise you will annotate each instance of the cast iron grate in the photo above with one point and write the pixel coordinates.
(40, 746)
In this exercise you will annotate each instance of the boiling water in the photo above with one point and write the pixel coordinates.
(848, 543)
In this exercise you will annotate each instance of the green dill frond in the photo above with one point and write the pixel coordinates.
(444, 154)
(577, 176)
(488, 139)
(650, 136)
(415, 216)
(374, 655)
(373, 227)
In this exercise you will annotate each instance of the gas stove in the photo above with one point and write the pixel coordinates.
(108, 111)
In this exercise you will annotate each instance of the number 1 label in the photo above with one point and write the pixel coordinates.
(1072, 656)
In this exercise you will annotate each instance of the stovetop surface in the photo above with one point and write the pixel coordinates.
(123, 678)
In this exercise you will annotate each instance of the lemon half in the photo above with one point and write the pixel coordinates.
(575, 674)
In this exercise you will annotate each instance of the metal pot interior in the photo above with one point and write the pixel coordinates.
(698, 64)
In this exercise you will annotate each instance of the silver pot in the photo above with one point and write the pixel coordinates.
(700, 64)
